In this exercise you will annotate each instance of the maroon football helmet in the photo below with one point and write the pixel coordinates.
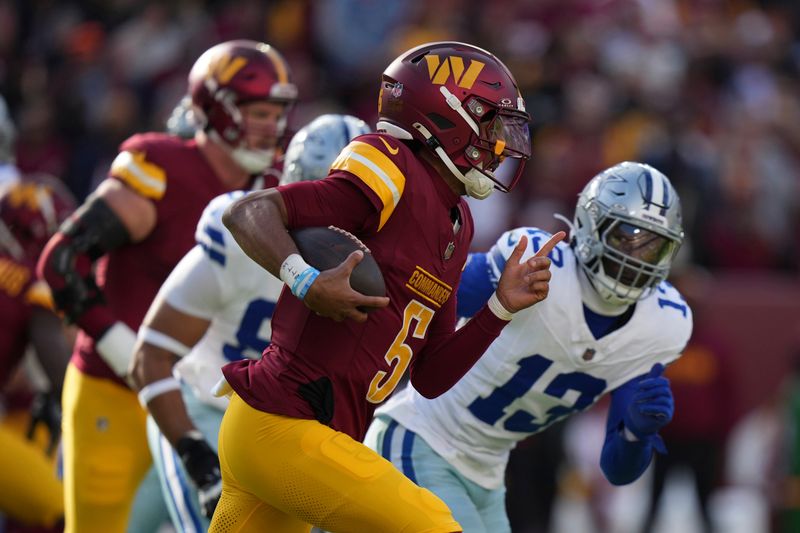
(464, 104)
(233, 73)
(31, 210)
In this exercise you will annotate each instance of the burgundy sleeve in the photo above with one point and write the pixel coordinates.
(447, 357)
(339, 200)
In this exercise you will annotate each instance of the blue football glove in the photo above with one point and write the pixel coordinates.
(651, 406)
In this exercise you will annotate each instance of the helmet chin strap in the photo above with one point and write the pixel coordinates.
(478, 186)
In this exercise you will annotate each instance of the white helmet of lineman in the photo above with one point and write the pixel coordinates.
(313, 148)
(627, 231)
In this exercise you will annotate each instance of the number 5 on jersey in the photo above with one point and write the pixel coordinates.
(399, 354)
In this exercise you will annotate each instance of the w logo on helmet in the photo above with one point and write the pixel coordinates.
(225, 68)
(439, 71)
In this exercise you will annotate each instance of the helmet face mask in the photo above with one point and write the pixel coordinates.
(627, 231)
(464, 104)
(228, 76)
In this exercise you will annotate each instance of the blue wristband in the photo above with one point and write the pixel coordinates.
(303, 282)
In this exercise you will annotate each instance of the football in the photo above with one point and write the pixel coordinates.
(326, 247)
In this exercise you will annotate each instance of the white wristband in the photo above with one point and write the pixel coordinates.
(298, 274)
(497, 308)
(157, 388)
(116, 347)
(163, 341)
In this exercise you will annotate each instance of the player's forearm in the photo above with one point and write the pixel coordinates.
(257, 222)
(441, 365)
(159, 391)
(51, 347)
(169, 412)
(66, 264)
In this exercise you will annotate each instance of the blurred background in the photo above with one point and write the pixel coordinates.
(707, 91)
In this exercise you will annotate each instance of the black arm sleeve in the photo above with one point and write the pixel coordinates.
(66, 263)
(95, 229)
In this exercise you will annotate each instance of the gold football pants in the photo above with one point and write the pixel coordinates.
(282, 474)
(30, 491)
(105, 453)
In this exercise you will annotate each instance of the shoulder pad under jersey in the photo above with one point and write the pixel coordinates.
(378, 160)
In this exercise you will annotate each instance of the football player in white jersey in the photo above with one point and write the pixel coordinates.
(610, 325)
(215, 307)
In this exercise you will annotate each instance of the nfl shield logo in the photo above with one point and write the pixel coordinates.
(397, 90)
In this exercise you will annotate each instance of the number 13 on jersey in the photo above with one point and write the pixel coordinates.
(399, 354)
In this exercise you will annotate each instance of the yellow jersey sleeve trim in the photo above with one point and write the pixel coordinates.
(377, 171)
(39, 294)
(148, 179)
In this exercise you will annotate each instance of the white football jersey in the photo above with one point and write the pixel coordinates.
(217, 281)
(544, 366)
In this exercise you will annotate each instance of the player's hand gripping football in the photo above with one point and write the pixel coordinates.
(526, 283)
(202, 465)
(651, 406)
(332, 296)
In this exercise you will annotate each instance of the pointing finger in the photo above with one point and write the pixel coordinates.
(550, 244)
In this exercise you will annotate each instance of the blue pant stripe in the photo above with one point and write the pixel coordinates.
(386, 446)
(185, 509)
(408, 465)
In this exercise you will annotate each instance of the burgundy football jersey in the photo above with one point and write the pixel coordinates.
(18, 294)
(419, 231)
(175, 175)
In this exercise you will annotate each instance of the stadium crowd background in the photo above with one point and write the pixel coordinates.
(707, 91)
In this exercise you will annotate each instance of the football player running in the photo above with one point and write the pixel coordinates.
(30, 212)
(136, 227)
(451, 122)
(215, 307)
(610, 325)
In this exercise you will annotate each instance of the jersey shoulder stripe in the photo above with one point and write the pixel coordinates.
(377, 170)
(143, 176)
